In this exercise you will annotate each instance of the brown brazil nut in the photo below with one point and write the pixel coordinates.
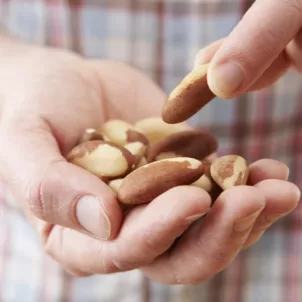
(188, 97)
(229, 171)
(121, 133)
(91, 134)
(104, 159)
(191, 143)
(146, 183)
(156, 129)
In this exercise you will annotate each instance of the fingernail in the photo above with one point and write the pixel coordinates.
(227, 78)
(92, 217)
(245, 223)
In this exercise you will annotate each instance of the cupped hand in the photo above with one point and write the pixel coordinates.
(48, 98)
(259, 50)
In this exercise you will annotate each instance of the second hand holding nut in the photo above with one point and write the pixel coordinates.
(172, 153)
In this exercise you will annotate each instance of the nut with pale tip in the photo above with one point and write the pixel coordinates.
(229, 171)
(122, 133)
(155, 129)
(103, 159)
(147, 182)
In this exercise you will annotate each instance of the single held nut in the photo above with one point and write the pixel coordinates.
(147, 182)
(122, 133)
(229, 171)
(156, 129)
(188, 97)
(91, 135)
(191, 143)
(207, 183)
(104, 159)
(138, 150)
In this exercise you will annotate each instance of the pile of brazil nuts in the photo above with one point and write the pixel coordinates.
(143, 160)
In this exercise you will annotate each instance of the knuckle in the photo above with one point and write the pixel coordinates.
(253, 238)
(124, 260)
(151, 244)
(77, 273)
(194, 279)
(119, 261)
(123, 265)
(295, 5)
(271, 38)
(35, 198)
(221, 257)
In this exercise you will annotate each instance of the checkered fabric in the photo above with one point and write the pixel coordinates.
(161, 38)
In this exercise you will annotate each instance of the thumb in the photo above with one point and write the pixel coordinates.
(260, 37)
(52, 189)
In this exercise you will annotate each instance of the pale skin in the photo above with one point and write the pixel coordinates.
(258, 51)
(48, 98)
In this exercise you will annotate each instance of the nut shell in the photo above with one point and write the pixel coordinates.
(146, 183)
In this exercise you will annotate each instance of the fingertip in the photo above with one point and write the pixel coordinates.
(241, 201)
(113, 210)
(267, 169)
(205, 55)
(225, 79)
(83, 202)
(100, 215)
(200, 58)
(183, 201)
(281, 196)
(195, 196)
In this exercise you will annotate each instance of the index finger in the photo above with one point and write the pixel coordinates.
(262, 34)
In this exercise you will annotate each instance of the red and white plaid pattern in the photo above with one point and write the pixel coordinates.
(161, 38)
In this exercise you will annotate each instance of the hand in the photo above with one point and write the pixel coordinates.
(260, 49)
(48, 98)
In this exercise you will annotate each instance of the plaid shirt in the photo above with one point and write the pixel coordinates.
(161, 38)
